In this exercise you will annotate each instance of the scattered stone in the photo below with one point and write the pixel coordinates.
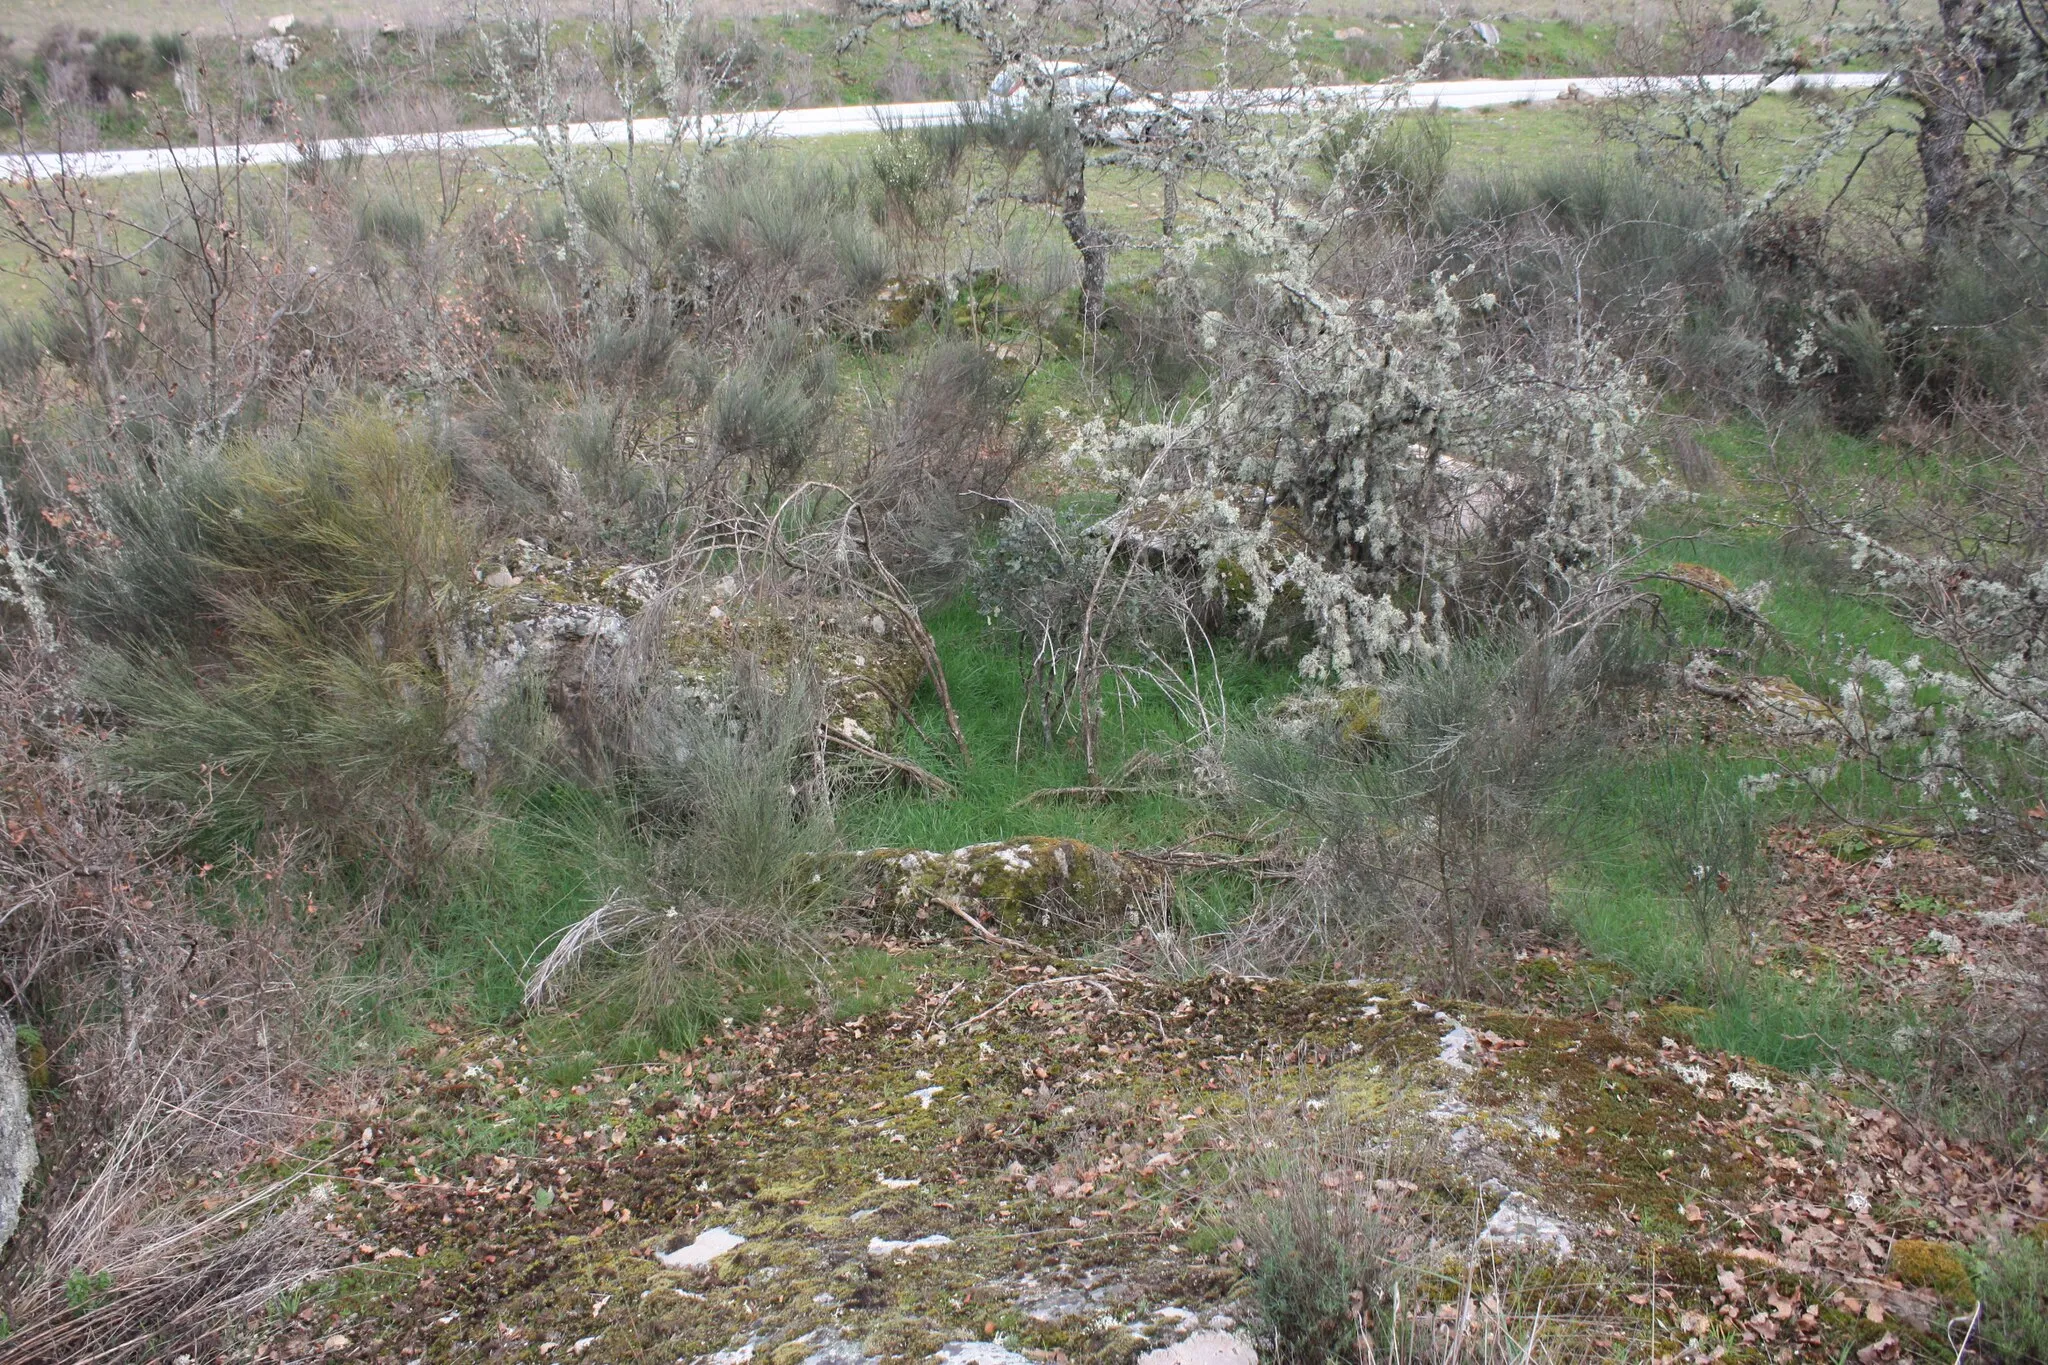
(1346, 35)
(925, 1096)
(17, 1131)
(1744, 1083)
(1058, 1306)
(1694, 1075)
(711, 1244)
(279, 54)
(882, 1246)
(1459, 1041)
(281, 24)
(1945, 943)
(1204, 1348)
(337, 1342)
(893, 1183)
(978, 1353)
(1521, 1225)
(830, 1347)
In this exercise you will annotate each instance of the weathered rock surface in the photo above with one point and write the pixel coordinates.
(1204, 1348)
(540, 626)
(1073, 1134)
(17, 1132)
(277, 53)
(1039, 888)
(1521, 1225)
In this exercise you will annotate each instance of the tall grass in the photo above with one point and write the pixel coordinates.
(517, 873)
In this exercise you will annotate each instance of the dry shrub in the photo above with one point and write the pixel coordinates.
(1306, 1186)
(175, 1042)
(735, 787)
(941, 452)
(1425, 796)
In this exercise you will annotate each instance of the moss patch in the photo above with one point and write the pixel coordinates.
(1048, 889)
(1070, 1132)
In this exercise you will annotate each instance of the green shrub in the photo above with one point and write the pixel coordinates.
(1397, 165)
(770, 410)
(913, 171)
(21, 348)
(296, 678)
(787, 236)
(122, 64)
(85, 1290)
(1305, 1207)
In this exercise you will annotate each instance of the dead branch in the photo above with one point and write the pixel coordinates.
(930, 781)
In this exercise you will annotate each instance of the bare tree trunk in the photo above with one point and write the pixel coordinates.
(1169, 196)
(1949, 91)
(1945, 169)
(1088, 238)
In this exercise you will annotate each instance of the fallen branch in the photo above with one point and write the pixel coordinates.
(1084, 793)
(1269, 865)
(930, 781)
(987, 934)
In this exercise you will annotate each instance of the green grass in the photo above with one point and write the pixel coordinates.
(1636, 827)
(521, 874)
(983, 673)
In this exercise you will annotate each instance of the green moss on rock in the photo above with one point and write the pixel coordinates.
(1039, 887)
(1938, 1266)
(538, 624)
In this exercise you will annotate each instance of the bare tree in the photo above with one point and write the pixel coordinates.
(1090, 73)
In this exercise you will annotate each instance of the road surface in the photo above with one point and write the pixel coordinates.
(839, 120)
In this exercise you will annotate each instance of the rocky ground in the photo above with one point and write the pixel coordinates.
(1039, 1159)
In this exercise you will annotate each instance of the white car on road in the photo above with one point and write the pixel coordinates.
(1106, 109)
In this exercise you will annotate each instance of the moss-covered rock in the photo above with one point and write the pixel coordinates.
(540, 627)
(1938, 1266)
(1042, 888)
(1063, 1159)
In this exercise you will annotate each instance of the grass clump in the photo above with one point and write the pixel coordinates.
(269, 625)
(2012, 1286)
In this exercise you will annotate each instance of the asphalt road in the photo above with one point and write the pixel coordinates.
(839, 120)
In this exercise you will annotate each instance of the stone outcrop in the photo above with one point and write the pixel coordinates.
(542, 624)
(17, 1132)
(1037, 887)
